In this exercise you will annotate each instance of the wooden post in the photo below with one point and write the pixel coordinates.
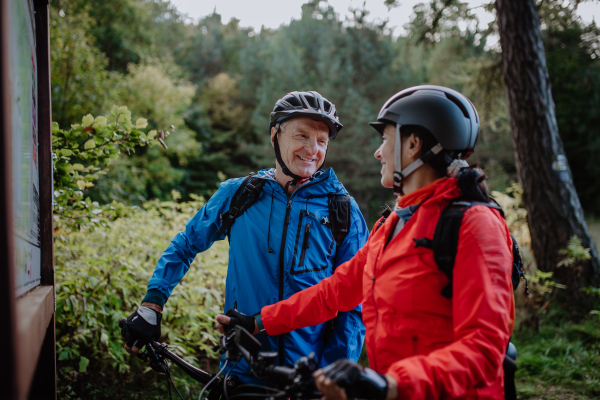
(8, 332)
(28, 369)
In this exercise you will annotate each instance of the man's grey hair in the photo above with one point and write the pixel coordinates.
(280, 126)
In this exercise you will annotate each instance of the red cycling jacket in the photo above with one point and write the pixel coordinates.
(435, 348)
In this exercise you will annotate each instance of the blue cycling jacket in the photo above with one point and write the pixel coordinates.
(278, 247)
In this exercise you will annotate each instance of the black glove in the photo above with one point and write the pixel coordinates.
(237, 318)
(358, 382)
(141, 327)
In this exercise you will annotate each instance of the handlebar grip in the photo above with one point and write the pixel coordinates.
(122, 323)
(281, 373)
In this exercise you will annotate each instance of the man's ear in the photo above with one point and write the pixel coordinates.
(273, 133)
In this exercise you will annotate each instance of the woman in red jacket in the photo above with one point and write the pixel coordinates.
(421, 345)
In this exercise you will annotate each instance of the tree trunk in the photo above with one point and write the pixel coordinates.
(553, 207)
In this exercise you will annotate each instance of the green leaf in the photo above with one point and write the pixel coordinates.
(63, 355)
(83, 363)
(123, 110)
(81, 184)
(55, 127)
(78, 167)
(87, 120)
(114, 111)
(66, 152)
(100, 123)
(151, 134)
(141, 123)
(98, 139)
(89, 144)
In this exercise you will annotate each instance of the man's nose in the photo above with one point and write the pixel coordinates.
(311, 146)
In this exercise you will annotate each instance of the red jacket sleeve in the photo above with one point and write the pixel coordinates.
(342, 291)
(483, 316)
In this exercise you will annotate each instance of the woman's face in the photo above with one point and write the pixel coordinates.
(385, 154)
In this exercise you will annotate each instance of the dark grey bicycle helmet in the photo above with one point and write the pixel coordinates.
(303, 104)
(449, 115)
(307, 104)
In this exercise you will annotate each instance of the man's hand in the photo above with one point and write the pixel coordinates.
(232, 317)
(142, 326)
(346, 378)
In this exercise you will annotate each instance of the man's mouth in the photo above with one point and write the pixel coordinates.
(306, 159)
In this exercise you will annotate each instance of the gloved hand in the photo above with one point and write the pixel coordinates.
(358, 382)
(141, 327)
(236, 318)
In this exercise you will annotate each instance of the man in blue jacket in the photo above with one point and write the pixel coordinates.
(280, 245)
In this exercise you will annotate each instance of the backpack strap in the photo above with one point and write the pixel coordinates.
(245, 196)
(340, 208)
(445, 238)
(385, 212)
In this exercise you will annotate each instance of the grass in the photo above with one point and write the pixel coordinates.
(561, 361)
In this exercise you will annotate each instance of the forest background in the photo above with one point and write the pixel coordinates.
(216, 83)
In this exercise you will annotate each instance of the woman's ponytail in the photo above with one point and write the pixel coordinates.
(471, 182)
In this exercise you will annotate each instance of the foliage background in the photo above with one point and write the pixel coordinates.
(216, 82)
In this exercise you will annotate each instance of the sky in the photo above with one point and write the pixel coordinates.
(273, 13)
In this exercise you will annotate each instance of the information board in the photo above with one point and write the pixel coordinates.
(25, 165)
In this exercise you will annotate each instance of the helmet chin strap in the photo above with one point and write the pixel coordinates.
(401, 174)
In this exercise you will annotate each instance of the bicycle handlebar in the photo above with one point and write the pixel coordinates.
(238, 343)
(195, 373)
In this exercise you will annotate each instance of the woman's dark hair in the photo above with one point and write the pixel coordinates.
(471, 180)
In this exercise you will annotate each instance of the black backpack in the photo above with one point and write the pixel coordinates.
(249, 191)
(445, 245)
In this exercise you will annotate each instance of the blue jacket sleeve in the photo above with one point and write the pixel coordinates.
(198, 236)
(346, 338)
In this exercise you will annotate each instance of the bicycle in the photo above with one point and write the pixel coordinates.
(294, 383)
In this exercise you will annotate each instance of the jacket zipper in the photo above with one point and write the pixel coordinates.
(297, 238)
(304, 245)
(282, 254)
(281, 267)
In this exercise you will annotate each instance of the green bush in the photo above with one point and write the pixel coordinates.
(561, 361)
(101, 277)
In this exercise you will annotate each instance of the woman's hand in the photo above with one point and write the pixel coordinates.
(345, 378)
(330, 390)
(232, 317)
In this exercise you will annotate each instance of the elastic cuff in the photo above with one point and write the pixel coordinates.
(155, 296)
(259, 323)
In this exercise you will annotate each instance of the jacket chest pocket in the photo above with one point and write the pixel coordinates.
(313, 246)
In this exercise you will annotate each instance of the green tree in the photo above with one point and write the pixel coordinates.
(80, 81)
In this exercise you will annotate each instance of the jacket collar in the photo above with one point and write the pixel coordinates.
(443, 189)
(324, 182)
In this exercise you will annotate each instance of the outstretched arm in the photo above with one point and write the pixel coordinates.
(346, 332)
(198, 236)
(319, 303)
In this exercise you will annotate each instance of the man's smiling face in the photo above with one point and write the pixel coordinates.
(303, 145)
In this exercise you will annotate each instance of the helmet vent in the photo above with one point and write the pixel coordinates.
(459, 104)
(293, 100)
(311, 102)
(327, 106)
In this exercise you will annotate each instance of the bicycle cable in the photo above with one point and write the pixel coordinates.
(168, 374)
(212, 380)
(225, 380)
